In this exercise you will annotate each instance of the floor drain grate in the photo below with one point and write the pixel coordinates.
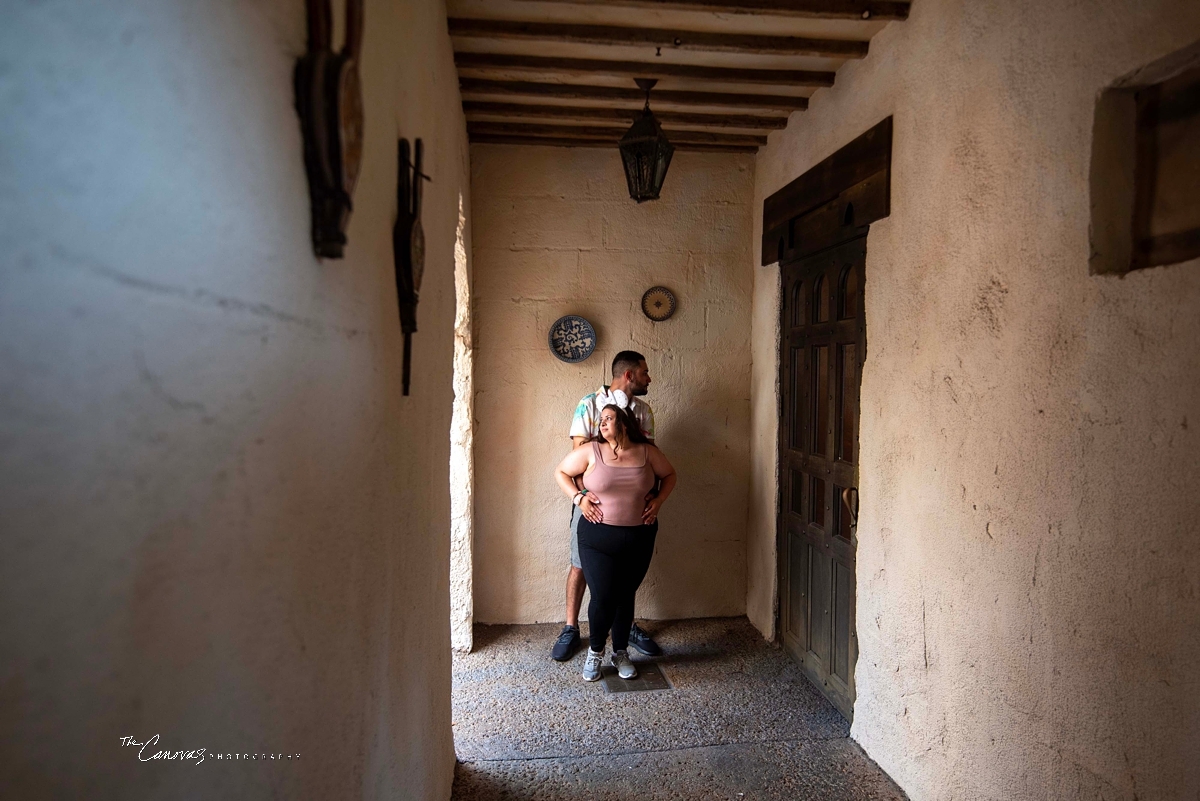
(650, 677)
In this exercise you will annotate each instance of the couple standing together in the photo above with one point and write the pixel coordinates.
(617, 480)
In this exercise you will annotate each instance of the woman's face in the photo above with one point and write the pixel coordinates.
(609, 427)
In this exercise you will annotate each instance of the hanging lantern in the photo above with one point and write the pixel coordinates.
(645, 151)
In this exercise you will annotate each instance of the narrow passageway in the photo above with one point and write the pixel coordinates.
(739, 721)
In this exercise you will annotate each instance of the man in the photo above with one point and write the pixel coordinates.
(630, 382)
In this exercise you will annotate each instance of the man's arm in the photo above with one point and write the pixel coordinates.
(665, 473)
(645, 417)
(581, 424)
(575, 443)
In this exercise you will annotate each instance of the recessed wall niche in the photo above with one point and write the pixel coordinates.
(1145, 172)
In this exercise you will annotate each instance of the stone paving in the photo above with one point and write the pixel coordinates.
(740, 722)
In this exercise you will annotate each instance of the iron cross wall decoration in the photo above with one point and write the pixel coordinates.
(329, 101)
(408, 243)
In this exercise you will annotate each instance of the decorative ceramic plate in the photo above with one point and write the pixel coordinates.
(572, 339)
(658, 303)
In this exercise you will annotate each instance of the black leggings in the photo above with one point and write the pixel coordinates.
(615, 560)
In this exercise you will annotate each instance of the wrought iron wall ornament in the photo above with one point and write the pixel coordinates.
(645, 151)
(408, 245)
(329, 101)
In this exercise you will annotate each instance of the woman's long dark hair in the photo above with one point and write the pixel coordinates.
(628, 423)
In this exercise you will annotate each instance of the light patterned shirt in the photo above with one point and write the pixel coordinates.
(586, 422)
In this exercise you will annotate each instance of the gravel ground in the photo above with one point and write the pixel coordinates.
(741, 722)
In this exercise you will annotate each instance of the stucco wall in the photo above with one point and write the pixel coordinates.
(761, 573)
(1028, 570)
(555, 233)
(222, 522)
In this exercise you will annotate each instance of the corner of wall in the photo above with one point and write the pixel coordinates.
(761, 559)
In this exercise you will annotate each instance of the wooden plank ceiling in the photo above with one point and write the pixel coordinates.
(561, 72)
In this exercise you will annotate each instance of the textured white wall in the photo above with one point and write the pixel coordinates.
(555, 233)
(222, 522)
(1028, 566)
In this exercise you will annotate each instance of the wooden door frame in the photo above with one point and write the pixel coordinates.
(829, 205)
(851, 187)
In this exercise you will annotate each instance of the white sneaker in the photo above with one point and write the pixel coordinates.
(625, 668)
(591, 667)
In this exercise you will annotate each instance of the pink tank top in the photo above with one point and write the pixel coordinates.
(621, 490)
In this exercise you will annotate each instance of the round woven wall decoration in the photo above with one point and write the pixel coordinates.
(658, 303)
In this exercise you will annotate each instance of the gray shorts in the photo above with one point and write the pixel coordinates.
(575, 515)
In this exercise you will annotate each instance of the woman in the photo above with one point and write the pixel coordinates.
(617, 530)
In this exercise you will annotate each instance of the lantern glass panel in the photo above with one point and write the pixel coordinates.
(646, 155)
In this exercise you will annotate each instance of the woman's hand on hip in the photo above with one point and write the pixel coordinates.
(591, 510)
(650, 513)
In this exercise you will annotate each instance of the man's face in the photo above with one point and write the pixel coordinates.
(639, 379)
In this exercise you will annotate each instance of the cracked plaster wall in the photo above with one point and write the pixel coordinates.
(555, 233)
(222, 522)
(1028, 566)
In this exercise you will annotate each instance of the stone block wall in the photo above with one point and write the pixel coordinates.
(555, 233)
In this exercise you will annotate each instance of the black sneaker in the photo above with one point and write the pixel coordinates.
(642, 641)
(564, 647)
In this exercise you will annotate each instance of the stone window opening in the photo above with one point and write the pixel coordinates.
(1145, 210)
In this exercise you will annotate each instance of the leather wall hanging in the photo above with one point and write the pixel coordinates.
(329, 101)
(408, 244)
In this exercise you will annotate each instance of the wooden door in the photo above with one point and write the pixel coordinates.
(822, 344)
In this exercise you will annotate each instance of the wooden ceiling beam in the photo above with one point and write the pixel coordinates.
(474, 108)
(652, 37)
(586, 92)
(504, 139)
(613, 134)
(584, 67)
(826, 9)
